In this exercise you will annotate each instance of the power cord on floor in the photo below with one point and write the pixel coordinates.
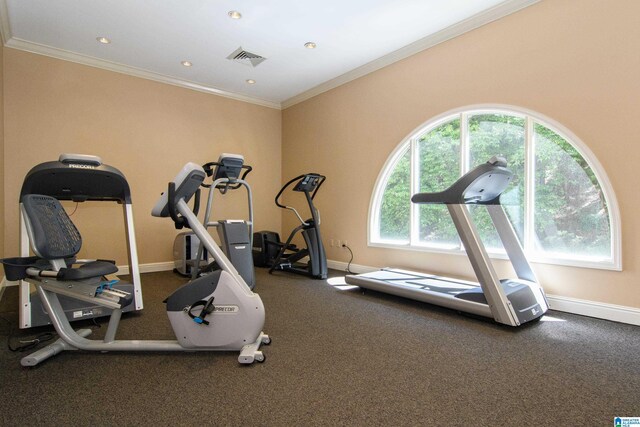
(74, 210)
(349, 263)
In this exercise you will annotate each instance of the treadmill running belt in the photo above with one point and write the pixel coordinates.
(442, 284)
(390, 275)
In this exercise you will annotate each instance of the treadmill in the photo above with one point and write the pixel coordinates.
(78, 177)
(508, 301)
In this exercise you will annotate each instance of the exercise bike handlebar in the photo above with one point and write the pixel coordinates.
(321, 179)
(179, 220)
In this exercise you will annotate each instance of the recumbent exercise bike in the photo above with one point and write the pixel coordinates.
(216, 312)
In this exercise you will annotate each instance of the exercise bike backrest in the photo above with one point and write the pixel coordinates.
(227, 171)
(55, 240)
(185, 185)
(309, 184)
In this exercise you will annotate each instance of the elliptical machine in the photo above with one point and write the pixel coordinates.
(269, 251)
(212, 313)
(228, 173)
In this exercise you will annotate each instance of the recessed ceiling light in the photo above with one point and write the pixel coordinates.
(186, 63)
(310, 45)
(251, 81)
(103, 40)
(234, 14)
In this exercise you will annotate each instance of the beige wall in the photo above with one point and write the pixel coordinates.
(574, 61)
(148, 130)
(2, 157)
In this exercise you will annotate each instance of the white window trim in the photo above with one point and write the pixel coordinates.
(373, 223)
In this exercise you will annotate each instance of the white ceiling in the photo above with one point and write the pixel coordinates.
(151, 38)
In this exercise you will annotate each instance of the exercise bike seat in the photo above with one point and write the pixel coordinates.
(88, 271)
(16, 268)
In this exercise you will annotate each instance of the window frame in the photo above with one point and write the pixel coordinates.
(531, 118)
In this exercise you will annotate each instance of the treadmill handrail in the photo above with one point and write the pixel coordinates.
(482, 185)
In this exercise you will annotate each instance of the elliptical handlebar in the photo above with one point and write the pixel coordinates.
(309, 183)
(322, 178)
(282, 191)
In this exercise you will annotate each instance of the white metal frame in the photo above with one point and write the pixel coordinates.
(70, 339)
(215, 224)
(531, 117)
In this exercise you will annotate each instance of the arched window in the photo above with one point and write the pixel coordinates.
(560, 201)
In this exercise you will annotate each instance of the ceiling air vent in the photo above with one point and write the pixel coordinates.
(241, 56)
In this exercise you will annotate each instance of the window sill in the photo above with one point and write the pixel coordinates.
(533, 258)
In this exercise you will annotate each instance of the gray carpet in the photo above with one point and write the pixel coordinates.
(338, 357)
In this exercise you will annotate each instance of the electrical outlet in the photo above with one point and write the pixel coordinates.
(339, 243)
(344, 243)
(331, 242)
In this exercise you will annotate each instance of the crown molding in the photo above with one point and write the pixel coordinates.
(5, 27)
(503, 9)
(65, 55)
(16, 43)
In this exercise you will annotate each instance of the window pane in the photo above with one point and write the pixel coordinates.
(571, 216)
(566, 212)
(439, 167)
(499, 135)
(395, 209)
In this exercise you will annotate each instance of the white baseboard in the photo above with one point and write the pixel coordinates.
(355, 268)
(149, 268)
(600, 310)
